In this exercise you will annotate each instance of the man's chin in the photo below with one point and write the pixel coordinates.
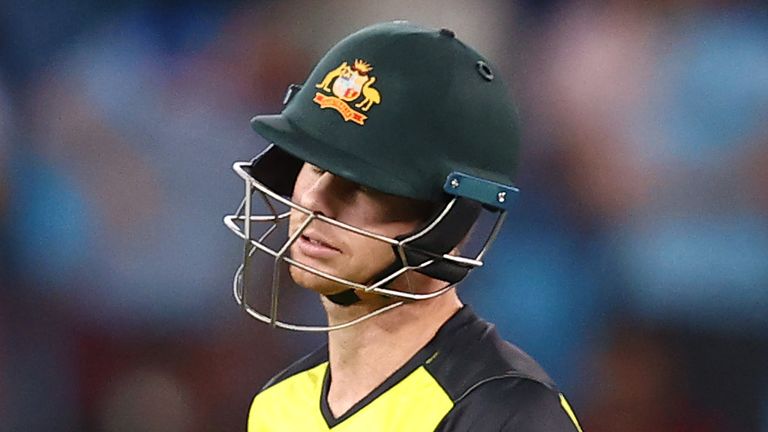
(316, 283)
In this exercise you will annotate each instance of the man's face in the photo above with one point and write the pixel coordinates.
(338, 251)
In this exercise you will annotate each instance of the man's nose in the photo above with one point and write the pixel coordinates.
(326, 194)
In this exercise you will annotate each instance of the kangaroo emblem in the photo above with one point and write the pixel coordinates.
(331, 76)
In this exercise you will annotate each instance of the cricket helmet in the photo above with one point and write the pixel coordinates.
(405, 110)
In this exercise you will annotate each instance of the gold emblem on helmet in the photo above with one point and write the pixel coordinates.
(346, 84)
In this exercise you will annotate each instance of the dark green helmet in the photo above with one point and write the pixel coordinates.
(402, 109)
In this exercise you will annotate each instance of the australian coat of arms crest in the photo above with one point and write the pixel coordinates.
(346, 85)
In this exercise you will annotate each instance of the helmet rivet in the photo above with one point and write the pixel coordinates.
(501, 197)
(454, 183)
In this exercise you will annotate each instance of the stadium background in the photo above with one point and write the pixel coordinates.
(635, 267)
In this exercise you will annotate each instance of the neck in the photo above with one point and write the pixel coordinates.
(364, 355)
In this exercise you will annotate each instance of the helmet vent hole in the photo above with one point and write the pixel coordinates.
(484, 70)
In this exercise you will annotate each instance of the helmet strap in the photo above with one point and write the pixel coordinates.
(443, 238)
(344, 298)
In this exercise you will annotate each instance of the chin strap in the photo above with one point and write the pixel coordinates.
(344, 298)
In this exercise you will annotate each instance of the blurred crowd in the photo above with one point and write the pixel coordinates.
(635, 267)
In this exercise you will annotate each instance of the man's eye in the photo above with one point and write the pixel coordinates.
(316, 169)
(369, 191)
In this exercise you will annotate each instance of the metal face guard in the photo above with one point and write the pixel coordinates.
(241, 223)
